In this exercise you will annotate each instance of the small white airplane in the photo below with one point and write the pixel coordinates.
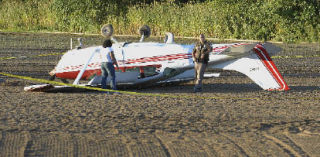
(145, 63)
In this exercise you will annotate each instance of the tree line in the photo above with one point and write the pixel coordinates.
(280, 20)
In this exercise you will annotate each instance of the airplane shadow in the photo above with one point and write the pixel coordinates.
(221, 88)
(207, 88)
(188, 88)
(304, 88)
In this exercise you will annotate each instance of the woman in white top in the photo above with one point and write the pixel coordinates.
(107, 67)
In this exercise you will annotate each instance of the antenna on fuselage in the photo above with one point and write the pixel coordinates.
(145, 32)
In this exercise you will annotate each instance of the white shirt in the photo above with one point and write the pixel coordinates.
(105, 54)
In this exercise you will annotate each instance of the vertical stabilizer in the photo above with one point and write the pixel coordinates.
(259, 67)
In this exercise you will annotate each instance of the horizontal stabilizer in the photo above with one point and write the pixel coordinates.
(238, 50)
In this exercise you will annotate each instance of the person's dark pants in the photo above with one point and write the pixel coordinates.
(107, 69)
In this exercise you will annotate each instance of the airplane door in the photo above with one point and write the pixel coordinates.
(124, 74)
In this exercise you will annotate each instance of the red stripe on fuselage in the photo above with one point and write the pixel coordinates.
(159, 58)
(73, 74)
(89, 73)
(174, 56)
(149, 59)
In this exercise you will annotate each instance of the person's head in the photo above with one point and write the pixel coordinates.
(107, 43)
(202, 38)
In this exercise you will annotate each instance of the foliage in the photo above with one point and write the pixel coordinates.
(25, 15)
(280, 20)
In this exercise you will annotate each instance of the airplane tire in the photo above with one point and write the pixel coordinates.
(51, 78)
(145, 30)
(64, 80)
(107, 30)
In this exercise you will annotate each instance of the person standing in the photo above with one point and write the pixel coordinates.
(200, 56)
(107, 65)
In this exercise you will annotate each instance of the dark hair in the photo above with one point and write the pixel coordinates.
(107, 43)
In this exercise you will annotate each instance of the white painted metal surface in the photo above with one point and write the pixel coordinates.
(149, 62)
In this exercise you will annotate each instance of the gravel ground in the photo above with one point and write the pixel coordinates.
(232, 117)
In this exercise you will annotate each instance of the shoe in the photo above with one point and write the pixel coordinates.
(197, 90)
(116, 93)
(109, 93)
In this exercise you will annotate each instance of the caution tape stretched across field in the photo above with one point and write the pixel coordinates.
(144, 94)
(32, 56)
(136, 93)
(120, 91)
(295, 56)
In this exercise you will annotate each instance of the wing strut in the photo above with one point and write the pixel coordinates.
(76, 81)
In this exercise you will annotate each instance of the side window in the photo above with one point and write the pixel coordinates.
(148, 71)
(132, 69)
(143, 71)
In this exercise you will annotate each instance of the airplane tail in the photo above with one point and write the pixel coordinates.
(259, 67)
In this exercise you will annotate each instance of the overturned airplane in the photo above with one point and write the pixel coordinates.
(145, 63)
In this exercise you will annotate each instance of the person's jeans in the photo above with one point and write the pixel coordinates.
(107, 69)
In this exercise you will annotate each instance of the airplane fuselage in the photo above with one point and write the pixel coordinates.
(138, 62)
(150, 62)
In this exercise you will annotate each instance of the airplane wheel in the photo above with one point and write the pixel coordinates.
(51, 78)
(145, 30)
(107, 30)
(64, 80)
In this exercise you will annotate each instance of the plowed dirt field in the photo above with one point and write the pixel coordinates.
(232, 117)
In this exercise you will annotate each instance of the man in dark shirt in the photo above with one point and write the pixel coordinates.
(200, 56)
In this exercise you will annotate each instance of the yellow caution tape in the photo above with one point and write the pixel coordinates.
(33, 56)
(143, 94)
(50, 54)
(119, 91)
(295, 56)
(136, 93)
(7, 58)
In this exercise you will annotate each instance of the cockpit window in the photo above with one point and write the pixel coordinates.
(150, 71)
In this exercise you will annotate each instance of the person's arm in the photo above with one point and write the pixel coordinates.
(114, 60)
(210, 47)
(194, 53)
(100, 56)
